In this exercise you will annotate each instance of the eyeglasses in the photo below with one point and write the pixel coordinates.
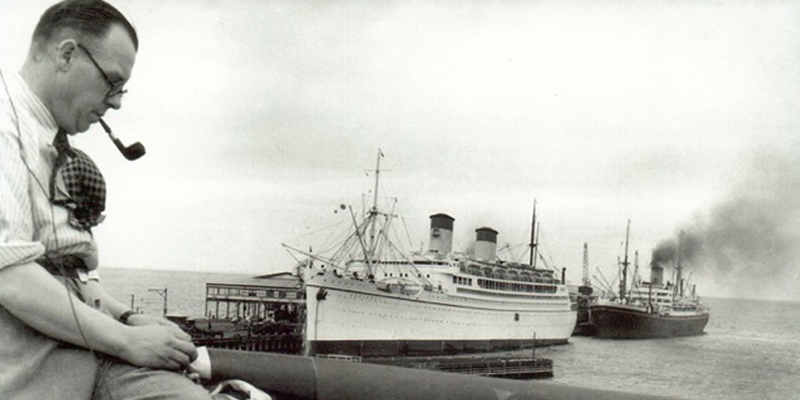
(115, 88)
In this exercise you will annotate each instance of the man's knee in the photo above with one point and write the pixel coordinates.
(121, 382)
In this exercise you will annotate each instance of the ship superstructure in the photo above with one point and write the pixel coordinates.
(652, 309)
(375, 302)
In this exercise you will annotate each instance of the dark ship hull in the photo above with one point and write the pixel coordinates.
(614, 321)
(584, 325)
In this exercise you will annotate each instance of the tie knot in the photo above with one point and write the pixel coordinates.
(61, 143)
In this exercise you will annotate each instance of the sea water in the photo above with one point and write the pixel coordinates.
(750, 348)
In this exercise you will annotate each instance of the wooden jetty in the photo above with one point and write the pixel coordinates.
(496, 367)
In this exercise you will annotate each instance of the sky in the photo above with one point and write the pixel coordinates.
(260, 118)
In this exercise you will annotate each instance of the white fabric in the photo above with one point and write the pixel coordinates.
(32, 365)
(240, 387)
(202, 364)
(29, 224)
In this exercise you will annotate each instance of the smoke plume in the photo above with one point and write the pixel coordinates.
(748, 245)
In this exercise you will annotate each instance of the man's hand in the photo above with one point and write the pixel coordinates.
(158, 346)
(145, 319)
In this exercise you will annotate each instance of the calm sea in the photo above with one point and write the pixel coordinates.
(750, 349)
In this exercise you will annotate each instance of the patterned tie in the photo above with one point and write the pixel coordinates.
(84, 183)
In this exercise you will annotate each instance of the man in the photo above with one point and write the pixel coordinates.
(61, 335)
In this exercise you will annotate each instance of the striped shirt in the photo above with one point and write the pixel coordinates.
(33, 365)
(30, 225)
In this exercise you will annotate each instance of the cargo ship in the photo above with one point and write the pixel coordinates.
(650, 309)
(369, 299)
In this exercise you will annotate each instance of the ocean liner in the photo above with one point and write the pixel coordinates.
(370, 299)
(650, 309)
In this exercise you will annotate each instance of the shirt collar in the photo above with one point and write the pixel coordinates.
(35, 108)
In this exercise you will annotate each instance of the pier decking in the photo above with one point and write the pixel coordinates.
(497, 367)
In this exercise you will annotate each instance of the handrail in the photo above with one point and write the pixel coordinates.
(327, 379)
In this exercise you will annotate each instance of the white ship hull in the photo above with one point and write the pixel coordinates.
(349, 316)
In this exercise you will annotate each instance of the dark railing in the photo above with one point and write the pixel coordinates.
(284, 344)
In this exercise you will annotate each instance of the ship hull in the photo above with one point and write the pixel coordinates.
(388, 348)
(623, 322)
(353, 317)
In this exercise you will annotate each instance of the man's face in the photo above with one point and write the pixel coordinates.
(83, 95)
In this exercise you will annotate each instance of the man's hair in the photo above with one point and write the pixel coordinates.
(87, 17)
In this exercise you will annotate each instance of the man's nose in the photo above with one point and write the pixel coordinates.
(114, 102)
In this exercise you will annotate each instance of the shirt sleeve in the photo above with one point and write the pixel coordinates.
(16, 220)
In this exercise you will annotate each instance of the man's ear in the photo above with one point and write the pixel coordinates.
(65, 54)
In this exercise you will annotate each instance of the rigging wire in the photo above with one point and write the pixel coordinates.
(410, 243)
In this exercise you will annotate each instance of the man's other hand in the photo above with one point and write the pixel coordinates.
(160, 346)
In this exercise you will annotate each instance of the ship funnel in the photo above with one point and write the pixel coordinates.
(656, 275)
(485, 244)
(441, 242)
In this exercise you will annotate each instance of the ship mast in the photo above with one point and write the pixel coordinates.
(586, 280)
(374, 211)
(533, 243)
(369, 249)
(370, 269)
(634, 280)
(625, 264)
(678, 280)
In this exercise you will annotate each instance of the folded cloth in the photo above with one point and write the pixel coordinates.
(87, 187)
(84, 183)
(234, 389)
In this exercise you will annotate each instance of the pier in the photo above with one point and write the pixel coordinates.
(284, 344)
(495, 367)
(260, 298)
